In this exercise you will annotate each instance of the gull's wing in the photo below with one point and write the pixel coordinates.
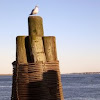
(32, 12)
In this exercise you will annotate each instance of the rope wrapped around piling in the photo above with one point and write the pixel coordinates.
(36, 81)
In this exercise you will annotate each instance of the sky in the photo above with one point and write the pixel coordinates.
(74, 23)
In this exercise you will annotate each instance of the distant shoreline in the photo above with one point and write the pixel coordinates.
(85, 73)
(61, 74)
(5, 74)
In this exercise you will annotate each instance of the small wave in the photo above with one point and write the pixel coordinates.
(5, 86)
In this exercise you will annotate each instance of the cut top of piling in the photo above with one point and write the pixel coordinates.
(35, 24)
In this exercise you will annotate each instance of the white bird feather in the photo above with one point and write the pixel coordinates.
(35, 10)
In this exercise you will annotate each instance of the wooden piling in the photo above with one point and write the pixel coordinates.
(35, 25)
(22, 79)
(50, 48)
(53, 79)
(30, 58)
(52, 73)
(37, 48)
(20, 50)
(36, 74)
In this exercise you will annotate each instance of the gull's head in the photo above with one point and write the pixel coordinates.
(36, 6)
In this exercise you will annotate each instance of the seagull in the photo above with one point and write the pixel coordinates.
(35, 10)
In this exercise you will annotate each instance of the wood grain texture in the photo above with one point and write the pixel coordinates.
(35, 25)
(50, 48)
(21, 50)
(37, 48)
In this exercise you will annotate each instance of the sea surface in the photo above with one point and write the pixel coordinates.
(75, 87)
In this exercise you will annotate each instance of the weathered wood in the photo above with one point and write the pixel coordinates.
(60, 86)
(30, 59)
(37, 48)
(50, 48)
(21, 50)
(53, 79)
(22, 77)
(35, 25)
(36, 72)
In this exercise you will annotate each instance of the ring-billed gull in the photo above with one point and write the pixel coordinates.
(35, 10)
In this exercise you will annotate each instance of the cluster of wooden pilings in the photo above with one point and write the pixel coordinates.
(36, 74)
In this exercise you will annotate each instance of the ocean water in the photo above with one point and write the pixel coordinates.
(81, 86)
(75, 87)
(5, 87)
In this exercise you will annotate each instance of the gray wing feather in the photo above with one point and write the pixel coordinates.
(32, 12)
